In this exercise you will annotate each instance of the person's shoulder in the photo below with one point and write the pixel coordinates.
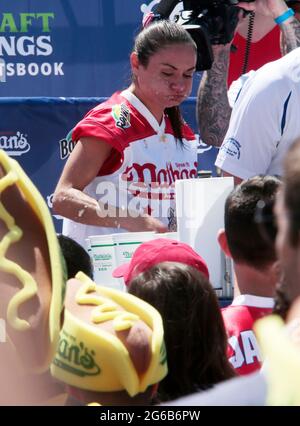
(237, 85)
(290, 57)
(232, 310)
(117, 113)
(111, 121)
(187, 132)
(232, 314)
(280, 72)
(107, 104)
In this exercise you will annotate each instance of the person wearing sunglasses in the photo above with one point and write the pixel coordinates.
(255, 266)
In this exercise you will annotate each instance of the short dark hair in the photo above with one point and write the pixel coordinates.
(77, 259)
(282, 302)
(195, 337)
(291, 187)
(245, 241)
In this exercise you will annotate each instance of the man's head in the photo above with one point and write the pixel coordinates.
(157, 251)
(242, 239)
(287, 210)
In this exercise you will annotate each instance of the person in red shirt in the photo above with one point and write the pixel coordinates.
(255, 266)
(263, 48)
(269, 41)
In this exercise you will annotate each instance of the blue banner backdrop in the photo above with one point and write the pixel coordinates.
(68, 47)
(34, 131)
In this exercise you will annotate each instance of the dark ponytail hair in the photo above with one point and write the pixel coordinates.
(150, 40)
(176, 120)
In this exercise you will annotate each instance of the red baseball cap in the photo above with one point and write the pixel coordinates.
(156, 251)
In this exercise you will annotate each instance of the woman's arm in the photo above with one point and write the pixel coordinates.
(83, 165)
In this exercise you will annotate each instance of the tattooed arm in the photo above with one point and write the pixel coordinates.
(290, 31)
(213, 110)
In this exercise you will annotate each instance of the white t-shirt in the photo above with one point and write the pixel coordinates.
(141, 170)
(265, 120)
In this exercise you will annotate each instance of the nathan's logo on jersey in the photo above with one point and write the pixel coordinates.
(66, 146)
(231, 147)
(14, 143)
(121, 115)
(167, 175)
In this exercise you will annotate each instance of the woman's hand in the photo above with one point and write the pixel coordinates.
(142, 223)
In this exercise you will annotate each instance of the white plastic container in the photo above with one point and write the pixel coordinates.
(200, 214)
(104, 261)
(127, 243)
(169, 235)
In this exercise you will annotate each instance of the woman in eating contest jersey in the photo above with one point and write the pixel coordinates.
(130, 149)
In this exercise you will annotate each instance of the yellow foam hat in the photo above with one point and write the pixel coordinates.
(95, 352)
(16, 176)
(283, 361)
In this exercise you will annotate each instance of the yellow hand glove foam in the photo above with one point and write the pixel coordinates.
(283, 361)
(16, 176)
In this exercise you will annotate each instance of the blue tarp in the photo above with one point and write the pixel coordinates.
(68, 47)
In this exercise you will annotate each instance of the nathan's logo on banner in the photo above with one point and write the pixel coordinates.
(14, 144)
(66, 146)
(25, 35)
(121, 115)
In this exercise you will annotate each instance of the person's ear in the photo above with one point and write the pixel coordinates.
(276, 270)
(134, 62)
(222, 240)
